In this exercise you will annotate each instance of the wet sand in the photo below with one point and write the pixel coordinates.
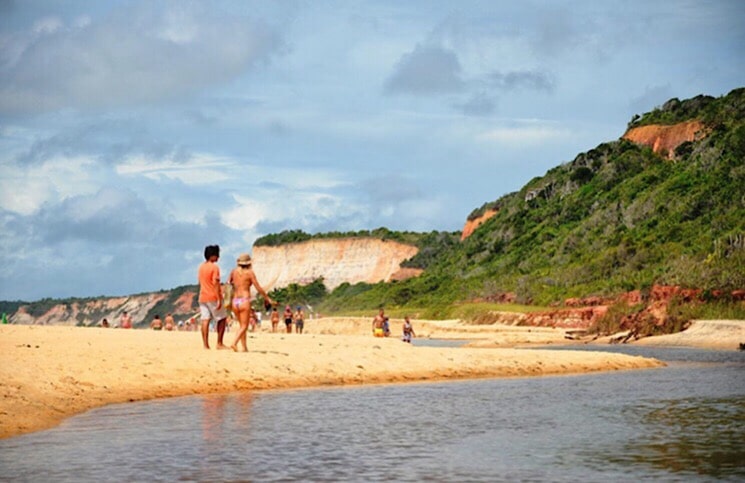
(48, 373)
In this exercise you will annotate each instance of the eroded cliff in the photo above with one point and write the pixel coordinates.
(664, 139)
(91, 312)
(340, 260)
(471, 225)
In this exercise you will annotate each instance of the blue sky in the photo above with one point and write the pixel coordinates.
(134, 133)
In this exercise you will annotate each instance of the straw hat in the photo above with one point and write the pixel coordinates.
(244, 260)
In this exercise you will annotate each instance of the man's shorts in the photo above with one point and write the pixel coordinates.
(209, 310)
(378, 332)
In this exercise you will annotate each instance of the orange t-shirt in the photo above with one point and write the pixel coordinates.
(209, 282)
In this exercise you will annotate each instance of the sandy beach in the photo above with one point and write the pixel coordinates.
(49, 373)
(703, 334)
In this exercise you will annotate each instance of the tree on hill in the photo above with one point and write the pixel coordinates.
(616, 218)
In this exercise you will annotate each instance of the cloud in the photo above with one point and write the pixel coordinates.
(26, 190)
(114, 216)
(530, 133)
(136, 55)
(524, 79)
(109, 242)
(480, 104)
(103, 139)
(197, 169)
(426, 70)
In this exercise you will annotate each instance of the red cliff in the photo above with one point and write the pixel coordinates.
(664, 139)
(471, 225)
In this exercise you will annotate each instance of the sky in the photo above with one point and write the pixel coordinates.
(134, 133)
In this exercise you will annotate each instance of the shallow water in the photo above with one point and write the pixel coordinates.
(684, 422)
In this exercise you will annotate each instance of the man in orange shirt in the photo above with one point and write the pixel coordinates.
(210, 296)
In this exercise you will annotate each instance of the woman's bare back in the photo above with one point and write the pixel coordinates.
(242, 280)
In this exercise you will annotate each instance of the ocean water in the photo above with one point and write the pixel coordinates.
(685, 422)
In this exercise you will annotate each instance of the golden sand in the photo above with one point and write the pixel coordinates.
(48, 373)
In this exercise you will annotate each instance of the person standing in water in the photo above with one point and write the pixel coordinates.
(210, 296)
(242, 278)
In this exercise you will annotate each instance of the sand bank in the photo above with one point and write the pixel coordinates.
(50, 373)
(487, 335)
(703, 334)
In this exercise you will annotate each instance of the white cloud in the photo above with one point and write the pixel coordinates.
(524, 135)
(247, 213)
(199, 169)
(136, 55)
(24, 189)
(46, 25)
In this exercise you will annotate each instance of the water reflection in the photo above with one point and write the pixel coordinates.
(703, 436)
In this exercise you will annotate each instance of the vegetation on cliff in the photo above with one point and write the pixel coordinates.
(617, 218)
(710, 110)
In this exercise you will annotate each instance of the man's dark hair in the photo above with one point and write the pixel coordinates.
(211, 250)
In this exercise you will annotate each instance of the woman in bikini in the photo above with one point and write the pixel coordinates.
(242, 278)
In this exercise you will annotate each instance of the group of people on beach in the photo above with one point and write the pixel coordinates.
(168, 324)
(214, 305)
(381, 327)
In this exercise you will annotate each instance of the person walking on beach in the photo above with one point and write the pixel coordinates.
(299, 320)
(210, 296)
(408, 330)
(275, 319)
(377, 324)
(288, 319)
(242, 278)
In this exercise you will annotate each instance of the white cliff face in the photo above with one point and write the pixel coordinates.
(339, 260)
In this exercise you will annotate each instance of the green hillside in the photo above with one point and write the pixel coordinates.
(616, 218)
